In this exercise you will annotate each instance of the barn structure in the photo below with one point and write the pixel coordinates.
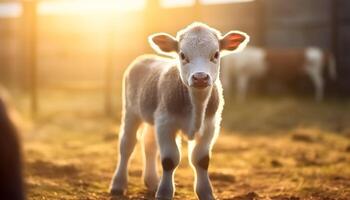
(78, 46)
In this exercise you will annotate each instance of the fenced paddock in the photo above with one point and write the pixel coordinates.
(64, 63)
(90, 47)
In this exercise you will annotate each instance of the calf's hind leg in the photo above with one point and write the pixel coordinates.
(150, 175)
(127, 142)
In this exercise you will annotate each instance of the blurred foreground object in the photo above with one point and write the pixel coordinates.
(284, 64)
(11, 183)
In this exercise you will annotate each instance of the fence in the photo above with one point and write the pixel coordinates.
(70, 46)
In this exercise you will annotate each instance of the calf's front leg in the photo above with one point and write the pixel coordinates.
(200, 159)
(170, 158)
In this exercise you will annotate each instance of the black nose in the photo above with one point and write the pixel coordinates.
(200, 80)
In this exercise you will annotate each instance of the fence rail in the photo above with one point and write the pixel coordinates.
(59, 39)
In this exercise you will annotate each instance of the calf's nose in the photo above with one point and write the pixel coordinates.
(200, 80)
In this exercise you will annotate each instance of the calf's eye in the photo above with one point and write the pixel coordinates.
(182, 56)
(216, 55)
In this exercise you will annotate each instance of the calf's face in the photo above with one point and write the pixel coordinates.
(198, 49)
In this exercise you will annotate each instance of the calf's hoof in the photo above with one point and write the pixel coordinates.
(159, 198)
(117, 192)
(164, 193)
(117, 189)
(205, 193)
(163, 196)
(118, 185)
(211, 197)
(151, 183)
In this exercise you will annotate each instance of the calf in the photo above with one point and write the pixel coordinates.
(11, 186)
(171, 95)
(282, 63)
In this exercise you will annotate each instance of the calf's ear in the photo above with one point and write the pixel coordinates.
(234, 41)
(163, 43)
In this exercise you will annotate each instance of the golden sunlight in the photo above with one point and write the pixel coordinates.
(10, 9)
(63, 7)
(224, 1)
(177, 3)
(89, 6)
(185, 3)
(88, 86)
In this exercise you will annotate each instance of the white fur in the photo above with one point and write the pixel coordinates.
(199, 43)
(314, 68)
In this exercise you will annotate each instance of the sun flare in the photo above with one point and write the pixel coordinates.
(89, 6)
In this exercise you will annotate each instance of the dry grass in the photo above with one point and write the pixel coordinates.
(269, 149)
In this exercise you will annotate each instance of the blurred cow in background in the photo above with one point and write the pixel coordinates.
(254, 62)
(11, 185)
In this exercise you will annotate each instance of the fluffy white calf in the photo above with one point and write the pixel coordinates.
(168, 96)
(255, 62)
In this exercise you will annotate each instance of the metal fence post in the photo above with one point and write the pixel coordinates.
(261, 22)
(109, 67)
(29, 17)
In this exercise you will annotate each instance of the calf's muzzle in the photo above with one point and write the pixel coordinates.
(200, 80)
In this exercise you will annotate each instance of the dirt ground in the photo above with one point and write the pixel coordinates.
(285, 149)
